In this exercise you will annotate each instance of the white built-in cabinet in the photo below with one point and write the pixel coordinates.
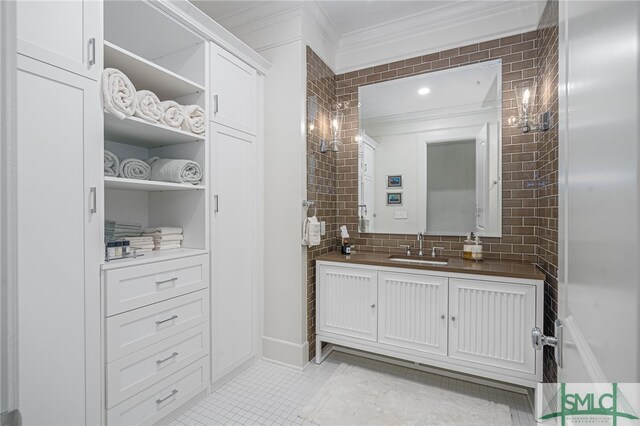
(130, 341)
(65, 34)
(234, 185)
(475, 324)
(59, 131)
(233, 100)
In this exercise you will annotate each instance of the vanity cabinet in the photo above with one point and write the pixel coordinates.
(347, 302)
(474, 324)
(490, 323)
(412, 311)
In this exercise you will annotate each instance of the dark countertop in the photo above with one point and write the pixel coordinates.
(495, 267)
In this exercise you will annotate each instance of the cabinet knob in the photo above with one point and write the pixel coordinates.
(373, 306)
(453, 318)
(442, 316)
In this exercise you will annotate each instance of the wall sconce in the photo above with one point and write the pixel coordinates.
(526, 120)
(337, 119)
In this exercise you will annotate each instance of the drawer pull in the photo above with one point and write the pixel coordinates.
(161, 400)
(166, 281)
(171, 318)
(173, 355)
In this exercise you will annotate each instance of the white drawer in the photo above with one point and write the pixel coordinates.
(134, 330)
(134, 373)
(131, 288)
(164, 397)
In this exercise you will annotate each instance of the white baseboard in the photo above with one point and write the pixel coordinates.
(295, 355)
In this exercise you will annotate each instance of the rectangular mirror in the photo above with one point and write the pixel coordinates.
(429, 149)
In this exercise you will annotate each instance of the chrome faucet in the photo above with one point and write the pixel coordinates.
(420, 240)
(433, 250)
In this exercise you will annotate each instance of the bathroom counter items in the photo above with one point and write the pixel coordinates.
(494, 267)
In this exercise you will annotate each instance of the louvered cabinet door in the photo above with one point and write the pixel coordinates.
(347, 302)
(490, 323)
(412, 311)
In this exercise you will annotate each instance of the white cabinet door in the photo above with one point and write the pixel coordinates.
(63, 33)
(346, 302)
(490, 323)
(233, 91)
(233, 245)
(59, 244)
(412, 311)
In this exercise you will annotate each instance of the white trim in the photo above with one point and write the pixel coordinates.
(8, 213)
(294, 355)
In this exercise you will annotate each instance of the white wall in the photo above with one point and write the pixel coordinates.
(281, 42)
(397, 155)
(284, 337)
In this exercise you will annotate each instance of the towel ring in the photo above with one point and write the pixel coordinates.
(306, 204)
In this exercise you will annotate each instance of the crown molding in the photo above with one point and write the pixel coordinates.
(449, 26)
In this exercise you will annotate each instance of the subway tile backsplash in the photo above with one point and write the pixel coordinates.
(529, 161)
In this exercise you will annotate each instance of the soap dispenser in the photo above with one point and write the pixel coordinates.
(345, 248)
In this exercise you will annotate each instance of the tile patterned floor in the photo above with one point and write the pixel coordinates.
(271, 394)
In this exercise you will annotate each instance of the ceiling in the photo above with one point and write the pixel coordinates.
(352, 16)
(465, 89)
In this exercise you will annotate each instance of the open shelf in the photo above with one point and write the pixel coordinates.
(111, 182)
(139, 132)
(154, 256)
(145, 75)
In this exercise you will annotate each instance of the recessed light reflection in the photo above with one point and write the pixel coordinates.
(424, 91)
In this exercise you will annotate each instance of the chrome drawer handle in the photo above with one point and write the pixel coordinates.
(166, 281)
(442, 316)
(173, 355)
(173, 392)
(171, 318)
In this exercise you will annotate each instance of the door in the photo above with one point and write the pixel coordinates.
(59, 134)
(368, 193)
(233, 91)
(233, 245)
(63, 33)
(598, 292)
(490, 323)
(412, 312)
(482, 177)
(346, 302)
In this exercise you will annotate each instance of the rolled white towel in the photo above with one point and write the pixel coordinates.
(173, 114)
(149, 106)
(111, 164)
(194, 119)
(118, 93)
(132, 168)
(178, 171)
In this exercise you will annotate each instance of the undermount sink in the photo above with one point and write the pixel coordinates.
(426, 260)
